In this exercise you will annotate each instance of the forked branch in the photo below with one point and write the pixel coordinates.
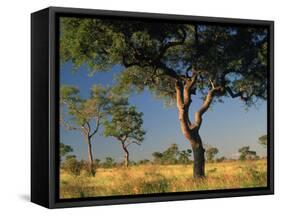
(206, 104)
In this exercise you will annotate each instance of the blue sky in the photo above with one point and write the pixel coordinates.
(227, 126)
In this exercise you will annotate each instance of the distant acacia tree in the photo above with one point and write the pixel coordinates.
(172, 155)
(109, 162)
(210, 153)
(65, 150)
(246, 153)
(263, 140)
(143, 162)
(157, 157)
(85, 115)
(175, 62)
(125, 124)
(184, 156)
(220, 159)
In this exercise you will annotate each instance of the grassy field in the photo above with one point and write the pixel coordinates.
(146, 179)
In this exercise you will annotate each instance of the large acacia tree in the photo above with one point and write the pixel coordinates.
(175, 62)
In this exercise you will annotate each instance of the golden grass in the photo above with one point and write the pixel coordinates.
(145, 179)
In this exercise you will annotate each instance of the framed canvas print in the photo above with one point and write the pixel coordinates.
(139, 107)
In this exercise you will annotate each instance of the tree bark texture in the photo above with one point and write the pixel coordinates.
(90, 156)
(126, 157)
(191, 129)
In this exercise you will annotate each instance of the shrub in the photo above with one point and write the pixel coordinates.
(72, 165)
(221, 159)
(90, 169)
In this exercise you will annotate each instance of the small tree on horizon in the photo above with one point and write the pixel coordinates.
(109, 162)
(263, 140)
(246, 153)
(170, 155)
(210, 153)
(157, 157)
(65, 150)
(184, 156)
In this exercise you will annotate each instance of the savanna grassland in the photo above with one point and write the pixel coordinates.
(147, 179)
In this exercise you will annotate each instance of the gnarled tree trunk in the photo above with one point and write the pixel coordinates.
(191, 130)
(90, 156)
(90, 153)
(126, 157)
(198, 155)
(86, 131)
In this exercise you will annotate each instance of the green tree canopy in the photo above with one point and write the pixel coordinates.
(184, 156)
(157, 157)
(211, 152)
(172, 155)
(156, 55)
(125, 124)
(85, 115)
(246, 153)
(263, 140)
(65, 150)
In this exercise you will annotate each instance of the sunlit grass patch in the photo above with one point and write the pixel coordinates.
(147, 179)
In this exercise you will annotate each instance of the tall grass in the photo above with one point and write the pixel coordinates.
(146, 179)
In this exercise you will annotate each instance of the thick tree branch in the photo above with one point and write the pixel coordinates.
(206, 104)
(170, 44)
(234, 95)
(132, 142)
(183, 110)
(127, 64)
(97, 127)
(85, 130)
(179, 95)
(156, 62)
(188, 87)
(168, 71)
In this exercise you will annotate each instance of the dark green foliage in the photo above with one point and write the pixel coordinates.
(263, 140)
(247, 154)
(157, 157)
(125, 124)
(64, 150)
(83, 111)
(171, 154)
(210, 153)
(221, 159)
(184, 156)
(156, 54)
(143, 162)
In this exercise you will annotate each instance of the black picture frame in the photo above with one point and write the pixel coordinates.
(45, 110)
